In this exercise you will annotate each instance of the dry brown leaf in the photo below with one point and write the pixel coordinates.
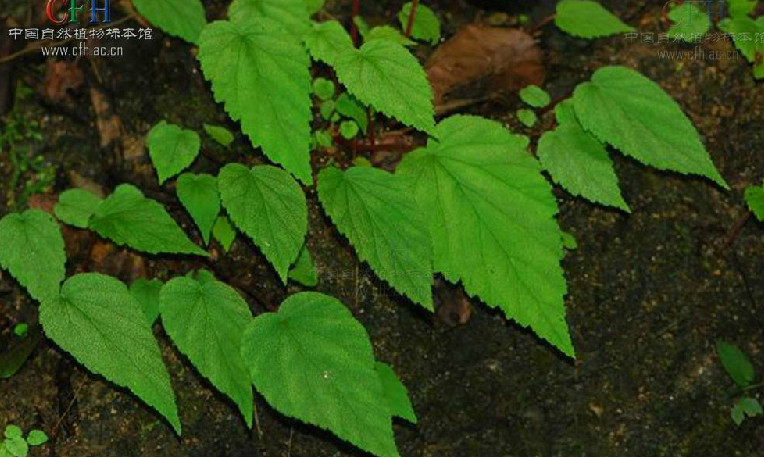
(60, 77)
(510, 58)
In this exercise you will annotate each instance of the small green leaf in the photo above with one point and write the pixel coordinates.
(754, 197)
(625, 109)
(21, 330)
(291, 14)
(350, 107)
(220, 134)
(746, 407)
(303, 271)
(13, 431)
(128, 218)
(260, 72)
(17, 446)
(534, 96)
(323, 138)
(32, 250)
(199, 195)
(527, 117)
(569, 241)
(269, 207)
(37, 438)
(323, 88)
(327, 109)
(736, 363)
(386, 76)
(740, 8)
(327, 40)
(395, 392)
(75, 206)
(206, 319)
(385, 32)
(97, 321)
(313, 361)
(374, 209)
(744, 31)
(690, 23)
(224, 232)
(172, 149)
(181, 18)
(426, 23)
(349, 129)
(146, 293)
(588, 19)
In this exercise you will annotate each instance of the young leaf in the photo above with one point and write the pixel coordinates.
(303, 270)
(224, 232)
(754, 197)
(260, 72)
(588, 19)
(32, 250)
(128, 218)
(37, 438)
(689, 22)
(491, 219)
(742, 29)
(313, 361)
(146, 293)
(736, 363)
(625, 109)
(395, 392)
(349, 129)
(327, 40)
(534, 96)
(426, 23)
(172, 149)
(16, 446)
(375, 211)
(746, 407)
(291, 14)
(75, 206)
(206, 320)
(740, 8)
(323, 88)
(269, 207)
(220, 134)
(13, 431)
(527, 117)
(577, 161)
(199, 195)
(386, 76)
(181, 18)
(97, 321)
(348, 106)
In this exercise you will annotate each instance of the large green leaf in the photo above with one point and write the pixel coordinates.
(577, 161)
(313, 361)
(75, 206)
(172, 149)
(260, 72)
(491, 218)
(395, 392)
(128, 218)
(32, 250)
(374, 209)
(327, 40)
(754, 198)
(97, 321)
(206, 320)
(199, 194)
(181, 18)
(625, 109)
(291, 14)
(386, 76)
(588, 19)
(268, 206)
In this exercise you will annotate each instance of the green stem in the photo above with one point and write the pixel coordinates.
(753, 387)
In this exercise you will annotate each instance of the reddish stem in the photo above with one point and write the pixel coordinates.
(353, 26)
(412, 15)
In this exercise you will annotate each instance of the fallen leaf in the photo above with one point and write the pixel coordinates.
(510, 58)
(109, 124)
(60, 77)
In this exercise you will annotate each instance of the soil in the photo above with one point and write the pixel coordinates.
(649, 292)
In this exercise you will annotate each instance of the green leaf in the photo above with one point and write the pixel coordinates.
(32, 250)
(527, 117)
(491, 218)
(625, 109)
(740, 8)
(744, 31)
(395, 392)
(375, 211)
(327, 109)
(146, 293)
(577, 161)
(206, 320)
(181, 18)
(736, 363)
(269, 207)
(172, 149)
(349, 129)
(17, 446)
(291, 14)
(385, 32)
(14, 357)
(746, 406)
(754, 197)
(350, 107)
(128, 218)
(3, 451)
(220, 134)
(260, 72)
(97, 321)
(199, 195)
(426, 23)
(224, 232)
(21, 330)
(37, 438)
(314, 6)
(327, 40)
(323, 88)
(689, 22)
(386, 76)
(75, 206)
(303, 271)
(534, 96)
(313, 361)
(588, 19)
(13, 431)
(569, 241)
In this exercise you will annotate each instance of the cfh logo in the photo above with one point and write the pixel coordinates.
(72, 8)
